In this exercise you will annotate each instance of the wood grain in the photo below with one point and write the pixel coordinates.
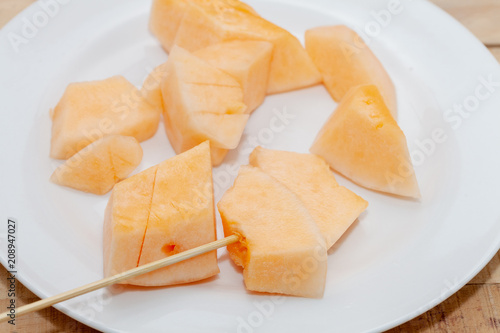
(475, 308)
(479, 16)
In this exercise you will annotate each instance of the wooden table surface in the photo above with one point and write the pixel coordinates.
(475, 308)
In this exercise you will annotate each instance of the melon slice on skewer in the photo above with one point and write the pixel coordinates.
(281, 248)
(345, 61)
(162, 211)
(333, 207)
(89, 111)
(362, 141)
(100, 165)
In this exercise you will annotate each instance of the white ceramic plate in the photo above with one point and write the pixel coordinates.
(401, 258)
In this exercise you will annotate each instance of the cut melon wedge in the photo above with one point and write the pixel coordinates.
(167, 209)
(345, 61)
(333, 207)
(281, 248)
(166, 17)
(100, 165)
(201, 103)
(89, 111)
(362, 141)
(248, 62)
(198, 24)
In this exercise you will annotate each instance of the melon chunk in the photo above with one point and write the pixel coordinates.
(166, 209)
(89, 111)
(201, 103)
(100, 165)
(281, 248)
(248, 62)
(333, 207)
(345, 61)
(181, 218)
(362, 141)
(166, 16)
(198, 24)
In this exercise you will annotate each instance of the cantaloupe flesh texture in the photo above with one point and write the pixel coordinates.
(201, 103)
(159, 212)
(362, 141)
(281, 248)
(125, 221)
(248, 62)
(100, 165)
(345, 61)
(166, 16)
(206, 23)
(89, 111)
(182, 217)
(333, 207)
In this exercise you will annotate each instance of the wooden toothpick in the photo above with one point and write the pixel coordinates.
(45, 303)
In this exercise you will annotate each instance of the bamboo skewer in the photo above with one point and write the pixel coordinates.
(47, 302)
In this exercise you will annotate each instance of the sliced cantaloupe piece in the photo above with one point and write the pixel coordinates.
(166, 209)
(199, 24)
(125, 221)
(248, 62)
(166, 16)
(100, 165)
(89, 111)
(182, 217)
(345, 61)
(201, 103)
(281, 248)
(333, 207)
(362, 141)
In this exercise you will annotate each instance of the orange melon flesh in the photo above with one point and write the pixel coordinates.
(125, 221)
(166, 16)
(248, 62)
(182, 217)
(205, 23)
(89, 111)
(333, 207)
(218, 155)
(279, 239)
(166, 209)
(345, 61)
(100, 165)
(362, 141)
(201, 103)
